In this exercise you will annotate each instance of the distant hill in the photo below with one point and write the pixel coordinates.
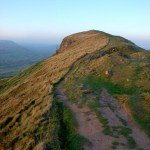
(14, 57)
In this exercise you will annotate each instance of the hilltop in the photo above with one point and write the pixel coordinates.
(94, 77)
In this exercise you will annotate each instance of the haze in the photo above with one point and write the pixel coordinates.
(48, 21)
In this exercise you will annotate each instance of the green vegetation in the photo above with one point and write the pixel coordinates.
(126, 132)
(94, 106)
(138, 103)
(131, 142)
(94, 85)
(145, 124)
(104, 121)
(97, 83)
(80, 98)
(51, 126)
(114, 144)
(14, 58)
(69, 137)
(122, 120)
(119, 66)
(3, 82)
(19, 78)
(142, 114)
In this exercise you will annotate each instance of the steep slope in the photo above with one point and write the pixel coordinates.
(27, 98)
(30, 115)
(122, 69)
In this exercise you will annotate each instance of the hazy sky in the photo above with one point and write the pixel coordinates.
(51, 20)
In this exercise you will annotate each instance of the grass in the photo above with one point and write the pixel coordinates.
(19, 78)
(126, 132)
(46, 132)
(38, 87)
(51, 126)
(124, 122)
(144, 124)
(69, 137)
(140, 115)
(73, 96)
(136, 101)
(104, 121)
(39, 82)
(93, 103)
(3, 82)
(131, 142)
(114, 144)
(97, 83)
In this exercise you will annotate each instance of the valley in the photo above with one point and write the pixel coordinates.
(15, 57)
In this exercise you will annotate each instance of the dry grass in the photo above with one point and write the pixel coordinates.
(128, 68)
(28, 98)
(27, 116)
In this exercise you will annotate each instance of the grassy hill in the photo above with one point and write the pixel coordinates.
(14, 57)
(88, 61)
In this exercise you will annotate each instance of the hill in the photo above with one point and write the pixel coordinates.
(14, 57)
(94, 92)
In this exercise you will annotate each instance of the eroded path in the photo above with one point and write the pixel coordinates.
(121, 124)
(91, 128)
(88, 124)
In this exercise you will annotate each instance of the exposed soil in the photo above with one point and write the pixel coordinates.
(91, 128)
(88, 124)
(112, 110)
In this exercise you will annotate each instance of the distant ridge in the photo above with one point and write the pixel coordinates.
(14, 57)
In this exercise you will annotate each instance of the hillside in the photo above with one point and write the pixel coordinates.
(14, 57)
(94, 92)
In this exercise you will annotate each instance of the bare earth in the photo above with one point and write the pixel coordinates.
(90, 127)
(113, 111)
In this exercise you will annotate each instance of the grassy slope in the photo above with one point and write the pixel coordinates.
(69, 137)
(125, 75)
(19, 78)
(14, 58)
(27, 116)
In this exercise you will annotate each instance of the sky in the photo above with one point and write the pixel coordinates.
(49, 21)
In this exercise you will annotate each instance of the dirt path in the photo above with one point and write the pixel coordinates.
(117, 117)
(88, 124)
(90, 127)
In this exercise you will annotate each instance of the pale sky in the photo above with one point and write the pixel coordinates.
(51, 20)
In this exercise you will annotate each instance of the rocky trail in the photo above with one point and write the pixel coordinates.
(124, 134)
